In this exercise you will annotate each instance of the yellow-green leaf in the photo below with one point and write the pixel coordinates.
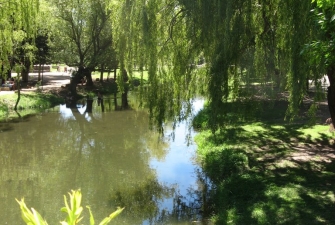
(91, 216)
(111, 216)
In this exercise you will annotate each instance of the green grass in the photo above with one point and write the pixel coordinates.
(30, 103)
(35, 102)
(268, 172)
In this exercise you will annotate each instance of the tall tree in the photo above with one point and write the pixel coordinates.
(87, 31)
(42, 55)
(263, 38)
(240, 41)
(17, 22)
(152, 36)
(320, 50)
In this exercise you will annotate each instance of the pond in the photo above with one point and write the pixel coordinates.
(111, 156)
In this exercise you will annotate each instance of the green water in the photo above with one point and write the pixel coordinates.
(112, 156)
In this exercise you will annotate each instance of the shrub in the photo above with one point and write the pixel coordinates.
(74, 210)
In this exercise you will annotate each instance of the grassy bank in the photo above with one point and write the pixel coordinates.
(34, 102)
(269, 171)
(30, 103)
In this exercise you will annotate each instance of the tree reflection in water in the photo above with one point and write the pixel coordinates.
(143, 202)
(105, 154)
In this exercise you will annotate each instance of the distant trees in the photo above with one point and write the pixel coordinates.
(31, 51)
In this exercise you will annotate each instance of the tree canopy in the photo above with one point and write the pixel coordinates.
(241, 42)
(215, 48)
(84, 32)
(17, 22)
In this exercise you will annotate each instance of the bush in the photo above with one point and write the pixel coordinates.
(74, 210)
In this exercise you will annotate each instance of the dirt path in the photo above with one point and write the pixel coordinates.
(50, 81)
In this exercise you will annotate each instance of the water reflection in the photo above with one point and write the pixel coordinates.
(111, 155)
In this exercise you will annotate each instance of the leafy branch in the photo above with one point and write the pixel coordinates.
(73, 210)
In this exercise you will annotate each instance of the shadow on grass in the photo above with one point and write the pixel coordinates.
(270, 173)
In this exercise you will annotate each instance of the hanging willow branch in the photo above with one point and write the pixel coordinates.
(173, 22)
(260, 40)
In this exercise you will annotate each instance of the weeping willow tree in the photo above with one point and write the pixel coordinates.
(152, 36)
(242, 42)
(17, 23)
(320, 50)
(247, 41)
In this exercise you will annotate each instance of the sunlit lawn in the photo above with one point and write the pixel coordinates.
(270, 173)
(29, 103)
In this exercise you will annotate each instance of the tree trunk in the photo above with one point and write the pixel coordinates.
(25, 75)
(89, 105)
(115, 101)
(88, 75)
(73, 86)
(39, 71)
(102, 105)
(124, 98)
(102, 73)
(331, 94)
(9, 73)
(25, 71)
(17, 81)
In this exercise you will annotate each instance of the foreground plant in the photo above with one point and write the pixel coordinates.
(74, 210)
